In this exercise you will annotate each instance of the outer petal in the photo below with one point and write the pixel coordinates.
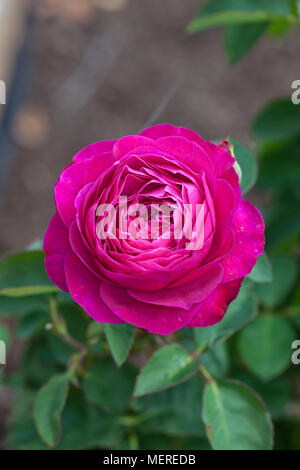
(95, 150)
(248, 227)
(154, 318)
(56, 245)
(185, 296)
(214, 307)
(84, 288)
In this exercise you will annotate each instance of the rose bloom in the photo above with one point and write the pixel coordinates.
(156, 284)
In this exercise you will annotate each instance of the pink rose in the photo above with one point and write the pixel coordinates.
(158, 284)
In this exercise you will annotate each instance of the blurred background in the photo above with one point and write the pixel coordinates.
(78, 71)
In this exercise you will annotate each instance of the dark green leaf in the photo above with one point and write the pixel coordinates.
(240, 38)
(265, 346)
(278, 121)
(236, 418)
(21, 305)
(101, 388)
(24, 274)
(168, 366)
(285, 273)
(31, 324)
(217, 360)
(164, 412)
(120, 339)
(48, 406)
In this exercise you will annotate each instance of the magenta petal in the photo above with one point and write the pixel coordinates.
(154, 318)
(184, 296)
(95, 150)
(84, 288)
(214, 307)
(123, 146)
(248, 227)
(56, 244)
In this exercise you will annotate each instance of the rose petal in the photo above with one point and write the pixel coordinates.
(214, 307)
(185, 296)
(84, 288)
(95, 150)
(56, 245)
(248, 226)
(155, 319)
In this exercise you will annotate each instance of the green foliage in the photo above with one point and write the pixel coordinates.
(279, 120)
(24, 274)
(120, 339)
(274, 336)
(236, 418)
(245, 21)
(262, 271)
(48, 407)
(168, 366)
(248, 165)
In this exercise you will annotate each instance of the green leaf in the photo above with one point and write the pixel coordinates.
(262, 271)
(240, 38)
(24, 274)
(216, 360)
(48, 406)
(120, 339)
(285, 273)
(248, 164)
(168, 366)
(228, 12)
(164, 413)
(236, 418)
(101, 388)
(265, 346)
(279, 120)
(242, 310)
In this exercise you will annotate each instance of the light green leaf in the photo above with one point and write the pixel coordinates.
(265, 346)
(242, 310)
(236, 418)
(48, 406)
(168, 366)
(120, 339)
(279, 120)
(101, 389)
(228, 12)
(248, 164)
(24, 274)
(262, 271)
(285, 273)
(240, 38)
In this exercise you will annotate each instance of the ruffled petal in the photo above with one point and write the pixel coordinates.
(248, 227)
(95, 150)
(84, 288)
(56, 245)
(154, 318)
(214, 307)
(185, 296)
